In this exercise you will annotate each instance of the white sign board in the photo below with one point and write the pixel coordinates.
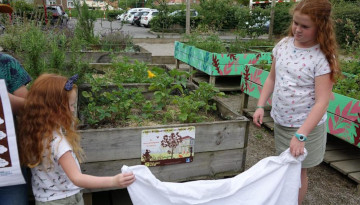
(10, 172)
(167, 146)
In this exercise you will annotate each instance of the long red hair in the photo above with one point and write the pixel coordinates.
(46, 110)
(320, 13)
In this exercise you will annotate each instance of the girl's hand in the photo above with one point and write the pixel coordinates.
(258, 116)
(123, 180)
(296, 147)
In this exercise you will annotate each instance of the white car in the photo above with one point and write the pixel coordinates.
(130, 14)
(121, 17)
(145, 19)
(193, 13)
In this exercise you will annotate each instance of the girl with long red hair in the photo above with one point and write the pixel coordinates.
(50, 145)
(304, 69)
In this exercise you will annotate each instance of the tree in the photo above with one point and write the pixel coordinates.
(171, 141)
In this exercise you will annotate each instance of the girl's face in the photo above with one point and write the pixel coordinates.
(304, 30)
(72, 100)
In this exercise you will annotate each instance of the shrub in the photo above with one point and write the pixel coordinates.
(218, 13)
(282, 18)
(342, 13)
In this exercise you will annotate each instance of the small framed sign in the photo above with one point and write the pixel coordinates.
(167, 146)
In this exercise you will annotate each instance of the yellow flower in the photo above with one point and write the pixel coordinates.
(150, 74)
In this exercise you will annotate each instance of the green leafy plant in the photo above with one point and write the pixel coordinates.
(85, 26)
(34, 46)
(349, 86)
(104, 104)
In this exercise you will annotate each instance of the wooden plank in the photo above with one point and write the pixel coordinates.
(269, 125)
(206, 165)
(343, 129)
(340, 155)
(251, 111)
(355, 176)
(268, 120)
(338, 104)
(125, 143)
(347, 166)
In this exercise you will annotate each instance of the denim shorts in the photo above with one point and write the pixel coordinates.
(315, 144)
(16, 194)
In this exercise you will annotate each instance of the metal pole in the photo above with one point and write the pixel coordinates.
(187, 17)
(272, 16)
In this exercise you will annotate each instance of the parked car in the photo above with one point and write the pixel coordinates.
(145, 19)
(56, 14)
(260, 23)
(130, 14)
(121, 17)
(137, 17)
(193, 13)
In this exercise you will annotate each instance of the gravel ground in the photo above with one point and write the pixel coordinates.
(326, 185)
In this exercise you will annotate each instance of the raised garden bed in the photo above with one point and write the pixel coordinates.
(220, 149)
(219, 145)
(218, 65)
(343, 112)
(100, 56)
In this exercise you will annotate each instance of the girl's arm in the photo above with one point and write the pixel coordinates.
(17, 100)
(71, 169)
(323, 90)
(266, 92)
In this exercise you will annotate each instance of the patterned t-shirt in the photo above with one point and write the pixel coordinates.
(12, 72)
(294, 91)
(48, 183)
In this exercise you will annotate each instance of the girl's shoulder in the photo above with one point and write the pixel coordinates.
(285, 40)
(57, 137)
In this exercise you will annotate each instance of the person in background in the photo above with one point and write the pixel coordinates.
(16, 78)
(304, 69)
(51, 146)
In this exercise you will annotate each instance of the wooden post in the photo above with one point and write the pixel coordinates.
(244, 99)
(177, 64)
(212, 80)
(191, 69)
(187, 24)
(272, 16)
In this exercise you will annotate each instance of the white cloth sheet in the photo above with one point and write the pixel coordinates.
(273, 180)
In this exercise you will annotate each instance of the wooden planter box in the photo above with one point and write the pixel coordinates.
(220, 149)
(103, 67)
(218, 64)
(343, 112)
(219, 69)
(98, 56)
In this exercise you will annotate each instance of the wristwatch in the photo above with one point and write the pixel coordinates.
(300, 137)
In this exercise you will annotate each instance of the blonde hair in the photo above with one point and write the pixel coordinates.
(46, 110)
(320, 13)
